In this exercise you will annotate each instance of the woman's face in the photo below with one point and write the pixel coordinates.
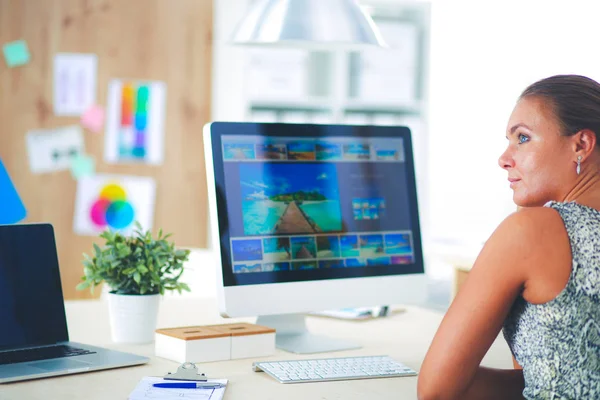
(539, 161)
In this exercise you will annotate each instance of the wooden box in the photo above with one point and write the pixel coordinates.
(214, 342)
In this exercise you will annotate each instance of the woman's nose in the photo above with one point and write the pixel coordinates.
(506, 160)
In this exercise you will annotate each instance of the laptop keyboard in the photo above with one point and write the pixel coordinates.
(41, 353)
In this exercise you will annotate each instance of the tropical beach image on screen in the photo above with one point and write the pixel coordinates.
(328, 151)
(368, 208)
(270, 267)
(349, 246)
(245, 268)
(271, 151)
(378, 261)
(285, 199)
(303, 247)
(246, 250)
(276, 249)
(355, 262)
(398, 244)
(371, 245)
(301, 151)
(332, 264)
(298, 265)
(238, 151)
(357, 151)
(328, 246)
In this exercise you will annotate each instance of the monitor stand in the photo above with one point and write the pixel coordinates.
(293, 336)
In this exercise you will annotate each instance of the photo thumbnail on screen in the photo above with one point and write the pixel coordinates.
(280, 199)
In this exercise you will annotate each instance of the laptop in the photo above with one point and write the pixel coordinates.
(34, 339)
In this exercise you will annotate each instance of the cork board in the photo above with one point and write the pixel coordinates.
(162, 40)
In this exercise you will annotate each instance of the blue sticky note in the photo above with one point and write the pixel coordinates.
(12, 209)
(16, 53)
(82, 165)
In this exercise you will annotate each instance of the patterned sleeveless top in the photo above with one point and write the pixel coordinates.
(558, 343)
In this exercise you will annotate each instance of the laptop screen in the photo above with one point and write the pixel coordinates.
(32, 309)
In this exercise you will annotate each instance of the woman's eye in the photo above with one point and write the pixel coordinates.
(522, 138)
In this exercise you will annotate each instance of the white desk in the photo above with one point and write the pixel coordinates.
(404, 336)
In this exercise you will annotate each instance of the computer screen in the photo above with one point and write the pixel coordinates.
(316, 202)
(307, 211)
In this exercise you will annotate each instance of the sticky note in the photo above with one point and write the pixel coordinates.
(12, 209)
(93, 119)
(16, 53)
(82, 166)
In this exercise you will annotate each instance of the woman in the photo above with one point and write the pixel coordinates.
(538, 276)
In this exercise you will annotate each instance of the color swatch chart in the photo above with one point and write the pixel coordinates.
(133, 134)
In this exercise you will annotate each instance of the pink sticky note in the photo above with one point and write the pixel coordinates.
(93, 119)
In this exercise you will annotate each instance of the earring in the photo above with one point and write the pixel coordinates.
(579, 164)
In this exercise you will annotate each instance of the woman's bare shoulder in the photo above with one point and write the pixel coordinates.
(534, 244)
(528, 223)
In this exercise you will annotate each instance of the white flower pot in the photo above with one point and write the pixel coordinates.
(133, 317)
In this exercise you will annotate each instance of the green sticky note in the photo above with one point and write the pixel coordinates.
(16, 53)
(82, 165)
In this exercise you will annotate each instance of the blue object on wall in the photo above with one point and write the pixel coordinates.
(12, 209)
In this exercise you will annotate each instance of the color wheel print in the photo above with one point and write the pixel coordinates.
(112, 208)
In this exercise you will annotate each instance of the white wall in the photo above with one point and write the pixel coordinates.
(483, 54)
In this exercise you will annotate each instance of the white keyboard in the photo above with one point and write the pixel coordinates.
(333, 369)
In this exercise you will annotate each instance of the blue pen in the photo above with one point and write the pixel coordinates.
(188, 385)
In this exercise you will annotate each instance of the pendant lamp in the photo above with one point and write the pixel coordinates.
(329, 24)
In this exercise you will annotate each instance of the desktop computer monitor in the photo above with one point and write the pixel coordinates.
(309, 217)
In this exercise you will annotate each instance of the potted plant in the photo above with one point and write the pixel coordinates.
(138, 269)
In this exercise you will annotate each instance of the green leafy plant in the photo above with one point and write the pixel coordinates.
(136, 264)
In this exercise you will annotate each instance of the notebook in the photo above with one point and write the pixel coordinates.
(144, 391)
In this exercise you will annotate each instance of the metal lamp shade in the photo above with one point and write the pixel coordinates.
(307, 23)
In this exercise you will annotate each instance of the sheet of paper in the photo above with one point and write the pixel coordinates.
(135, 119)
(12, 209)
(93, 119)
(74, 83)
(113, 202)
(144, 390)
(52, 150)
(16, 53)
(82, 165)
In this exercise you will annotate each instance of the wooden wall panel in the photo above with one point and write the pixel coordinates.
(168, 40)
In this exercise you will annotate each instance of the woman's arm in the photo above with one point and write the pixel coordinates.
(496, 384)
(451, 369)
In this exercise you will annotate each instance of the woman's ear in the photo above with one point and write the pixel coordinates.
(584, 142)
